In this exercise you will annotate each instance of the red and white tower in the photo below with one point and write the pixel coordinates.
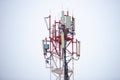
(61, 49)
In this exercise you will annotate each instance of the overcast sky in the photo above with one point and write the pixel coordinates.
(22, 29)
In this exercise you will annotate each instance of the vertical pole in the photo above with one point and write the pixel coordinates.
(50, 68)
(73, 68)
(65, 72)
(49, 26)
(60, 68)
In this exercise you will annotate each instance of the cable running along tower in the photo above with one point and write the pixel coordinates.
(61, 49)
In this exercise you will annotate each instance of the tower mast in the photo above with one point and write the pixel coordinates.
(61, 47)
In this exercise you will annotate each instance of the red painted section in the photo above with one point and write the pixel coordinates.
(54, 40)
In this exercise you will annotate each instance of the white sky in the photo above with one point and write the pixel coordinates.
(22, 29)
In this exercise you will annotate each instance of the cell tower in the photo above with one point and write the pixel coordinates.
(61, 49)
